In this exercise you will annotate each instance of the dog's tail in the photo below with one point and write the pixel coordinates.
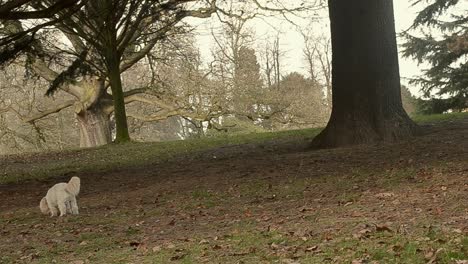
(43, 206)
(73, 186)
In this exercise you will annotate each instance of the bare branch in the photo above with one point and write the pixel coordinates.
(7, 10)
(154, 118)
(152, 101)
(54, 110)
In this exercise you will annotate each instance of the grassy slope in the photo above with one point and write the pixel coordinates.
(439, 117)
(111, 157)
(348, 225)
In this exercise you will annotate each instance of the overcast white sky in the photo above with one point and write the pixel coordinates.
(292, 42)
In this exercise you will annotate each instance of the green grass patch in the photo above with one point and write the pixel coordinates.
(134, 154)
(202, 199)
(39, 166)
(438, 117)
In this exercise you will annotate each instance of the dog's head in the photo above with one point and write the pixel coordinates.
(73, 186)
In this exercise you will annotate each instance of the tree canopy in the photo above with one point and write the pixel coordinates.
(85, 49)
(20, 9)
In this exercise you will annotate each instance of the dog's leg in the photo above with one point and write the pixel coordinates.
(52, 208)
(53, 211)
(69, 207)
(74, 205)
(62, 208)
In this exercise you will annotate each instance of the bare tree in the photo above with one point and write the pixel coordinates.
(106, 38)
(19, 9)
(19, 100)
(272, 62)
(97, 51)
(317, 54)
(303, 102)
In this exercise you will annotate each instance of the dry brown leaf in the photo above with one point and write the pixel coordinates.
(312, 249)
(156, 248)
(274, 246)
(170, 246)
(216, 247)
(290, 261)
(382, 228)
(385, 195)
(134, 244)
(363, 233)
(429, 254)
(178, 256)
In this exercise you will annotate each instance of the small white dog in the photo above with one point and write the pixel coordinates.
(62, 196)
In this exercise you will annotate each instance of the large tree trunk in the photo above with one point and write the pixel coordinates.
(365, 75)
(122, 134)
(113, 70)
(94, 127)
(93, 119)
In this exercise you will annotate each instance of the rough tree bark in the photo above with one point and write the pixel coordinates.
(366, 95)
(92, 113)
(92, 106)
(112, 58)
(94, 127)
(115, 81)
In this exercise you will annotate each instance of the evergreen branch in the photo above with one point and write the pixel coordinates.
(79, 67)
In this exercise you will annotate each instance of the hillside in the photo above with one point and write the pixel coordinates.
(251, 199)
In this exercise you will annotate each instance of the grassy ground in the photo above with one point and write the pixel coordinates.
(246, 199)
(439, 117)
(17, 168)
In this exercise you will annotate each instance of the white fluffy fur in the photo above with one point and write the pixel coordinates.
(61, 196)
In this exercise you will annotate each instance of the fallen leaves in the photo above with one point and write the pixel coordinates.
(203, 242)
(431, 255)
(306, 209)
(311, 219)
(366, 230)
(363, 233)
(156, 249)
(382, 228)
(179, 255)
(313, 249)
(243, 253)
(385, 195)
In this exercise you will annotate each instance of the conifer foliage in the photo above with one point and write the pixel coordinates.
(439, 37)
